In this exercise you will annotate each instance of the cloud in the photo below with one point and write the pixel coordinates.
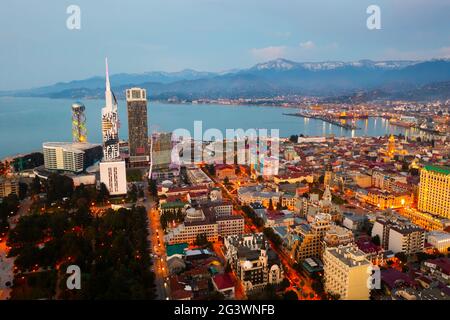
(307, 45)
(269, 53)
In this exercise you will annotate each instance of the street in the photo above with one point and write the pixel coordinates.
(157, 247)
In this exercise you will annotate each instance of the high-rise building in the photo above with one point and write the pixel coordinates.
(161, 150)
(346, 272)
(434, 190)
(79, 131)
(112, 168)
(110, 123)
(137, 127)
(70, 156)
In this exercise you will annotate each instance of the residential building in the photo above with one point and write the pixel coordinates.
(338, 236)
(8, 186)
(139, 150)
(306, 240)
(399, 235)
(346, 272)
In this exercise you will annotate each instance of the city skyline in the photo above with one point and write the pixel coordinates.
(279, 180)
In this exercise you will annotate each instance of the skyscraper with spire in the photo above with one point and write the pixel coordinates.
(110, 123)
(112, 168)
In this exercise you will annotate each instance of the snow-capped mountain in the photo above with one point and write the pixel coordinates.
(276, 77)
(284, 64)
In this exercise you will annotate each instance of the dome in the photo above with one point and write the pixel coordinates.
(193, 214)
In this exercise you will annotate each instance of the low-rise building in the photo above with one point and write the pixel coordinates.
(439, 240)
(8, 186)
(214, 219)
(338, 236)
(254, 263)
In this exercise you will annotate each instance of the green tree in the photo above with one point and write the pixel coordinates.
(376, 240)
(290, 295)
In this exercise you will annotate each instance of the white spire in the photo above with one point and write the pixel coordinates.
(108, 93)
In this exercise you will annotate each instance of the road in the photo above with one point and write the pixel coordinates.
(158, 249)
(7, 264)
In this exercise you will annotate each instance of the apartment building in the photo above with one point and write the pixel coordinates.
(8, 186)
(346, 272)
(399, 235)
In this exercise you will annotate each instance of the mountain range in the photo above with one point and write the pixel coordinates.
(365, 79)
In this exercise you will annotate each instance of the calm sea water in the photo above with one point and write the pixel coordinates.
(25, 123)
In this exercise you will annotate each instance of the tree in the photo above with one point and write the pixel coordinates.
(290, 295)
(152, 187)
(284, 284)
(201, 240)
(103, 193)
(402, 257)
(58, 186)
(270, 205)
(376, 240)
(133, 193)
(293, 138)
(36, 185)
(23, 190)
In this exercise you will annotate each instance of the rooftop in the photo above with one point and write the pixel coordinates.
(438, 169)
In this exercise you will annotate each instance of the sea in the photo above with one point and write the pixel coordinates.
(25, 123)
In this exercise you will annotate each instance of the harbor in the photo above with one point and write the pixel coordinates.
(327, 119)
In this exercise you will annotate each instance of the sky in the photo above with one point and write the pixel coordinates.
(37, 48)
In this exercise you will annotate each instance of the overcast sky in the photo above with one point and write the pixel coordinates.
(36, 47)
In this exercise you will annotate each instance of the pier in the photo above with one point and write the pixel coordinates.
(325, 119)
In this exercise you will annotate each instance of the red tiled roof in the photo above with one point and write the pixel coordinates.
(223, 281)
(443, 263)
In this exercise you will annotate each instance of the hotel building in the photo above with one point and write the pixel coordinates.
(434, 191)
(70, 156)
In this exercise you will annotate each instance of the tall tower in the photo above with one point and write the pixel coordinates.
(328, 176)
(79, 131)
(137, 127)
(110, 123)
(112, 168)
(391, 146)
